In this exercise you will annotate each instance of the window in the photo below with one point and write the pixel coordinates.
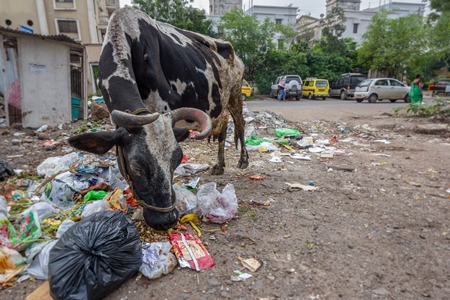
(66, 26)
(382, 82)
(355, 28)
(321, 83)
(396, 83)
(278, 21)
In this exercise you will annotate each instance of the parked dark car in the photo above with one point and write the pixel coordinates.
(438, 87)
(344, 87)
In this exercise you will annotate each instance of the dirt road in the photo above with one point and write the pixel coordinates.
(381, 231)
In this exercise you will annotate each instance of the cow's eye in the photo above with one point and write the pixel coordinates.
(136, 168)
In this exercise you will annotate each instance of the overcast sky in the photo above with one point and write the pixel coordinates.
(306, 7)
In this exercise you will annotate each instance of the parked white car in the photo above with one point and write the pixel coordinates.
(382, 88)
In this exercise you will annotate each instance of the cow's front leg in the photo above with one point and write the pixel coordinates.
(219, 167)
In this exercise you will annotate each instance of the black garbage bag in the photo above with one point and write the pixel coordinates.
(5, 170)
(94, 257)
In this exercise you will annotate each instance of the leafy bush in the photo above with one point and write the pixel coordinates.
(440, 106)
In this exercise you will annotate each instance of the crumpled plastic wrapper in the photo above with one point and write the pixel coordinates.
(157, 260)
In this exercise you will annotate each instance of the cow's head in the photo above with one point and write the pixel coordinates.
(148, 155)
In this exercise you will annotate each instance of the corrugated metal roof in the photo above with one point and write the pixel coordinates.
(59, 38)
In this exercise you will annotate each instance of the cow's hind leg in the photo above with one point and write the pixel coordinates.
(239, 133)
(219, 167)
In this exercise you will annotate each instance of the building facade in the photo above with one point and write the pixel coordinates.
(357, 20)
(285, 15)
(84, 21)
(221, 7)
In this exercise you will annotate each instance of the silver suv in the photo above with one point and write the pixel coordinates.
(294, 85)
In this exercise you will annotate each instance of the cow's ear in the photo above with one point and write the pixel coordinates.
(180, 134)
(96, 142)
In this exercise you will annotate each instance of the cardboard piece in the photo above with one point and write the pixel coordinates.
(326, 155)
(41, 293)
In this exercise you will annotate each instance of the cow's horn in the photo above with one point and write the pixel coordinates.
(123, 119)
(189, 113)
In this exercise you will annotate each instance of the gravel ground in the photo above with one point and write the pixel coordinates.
(378, 232)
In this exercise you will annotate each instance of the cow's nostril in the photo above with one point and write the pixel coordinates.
(161, 221)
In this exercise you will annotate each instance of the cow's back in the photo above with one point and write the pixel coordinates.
(174, 68)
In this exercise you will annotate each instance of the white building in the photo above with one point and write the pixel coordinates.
(285, 15)
(278, 14)
(221, 7)
(357, 20)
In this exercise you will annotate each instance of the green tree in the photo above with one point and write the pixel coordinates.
(178, 13)
(392, 44)
(440, 5)
(439, 40)
(333, 26)
(251, 39)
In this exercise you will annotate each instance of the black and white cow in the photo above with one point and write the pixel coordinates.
(152, 75)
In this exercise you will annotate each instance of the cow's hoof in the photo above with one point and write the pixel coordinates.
(242, 164)
(217, 170)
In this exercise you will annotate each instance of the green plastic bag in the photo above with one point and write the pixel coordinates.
(95, 195)
(256, 141)
(279, 132)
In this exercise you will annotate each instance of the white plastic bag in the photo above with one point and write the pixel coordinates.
(61, 190)
(55, 164)
(157, 259)
(96, 206)
(43, 209)
(215, 206)
(63, 227)
(190, 169)
(268, 146)
(186, 201)
(39, 266)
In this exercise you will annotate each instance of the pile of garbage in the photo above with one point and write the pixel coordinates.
(78, 219)
(78, 225)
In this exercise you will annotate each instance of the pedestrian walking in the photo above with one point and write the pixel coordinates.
(282, 89)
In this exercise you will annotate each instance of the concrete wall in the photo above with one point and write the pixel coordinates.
(285, 13)
(19, 12)
(45, 82)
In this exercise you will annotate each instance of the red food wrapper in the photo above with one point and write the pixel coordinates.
(256, 177)
(190, 251)
(333, 139)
